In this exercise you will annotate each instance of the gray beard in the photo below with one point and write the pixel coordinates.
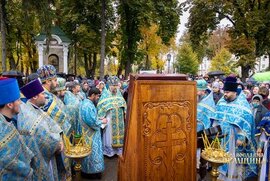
(114, 92)
(52, 88)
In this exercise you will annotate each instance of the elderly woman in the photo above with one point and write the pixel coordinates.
(216, 92)
(247, 94)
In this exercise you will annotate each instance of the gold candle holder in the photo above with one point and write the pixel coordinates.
(215, 154)
(77, 150)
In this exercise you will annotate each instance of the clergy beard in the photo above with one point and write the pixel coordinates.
(229, 99)
(84, 90)
(200, 97)
(52, 88)
(114, 91)
(95, 102)
(40, 104)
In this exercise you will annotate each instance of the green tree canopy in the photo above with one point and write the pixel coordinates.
(249, 19)
(81, 20)
(187, 60)
(134, 14)
(223, 62)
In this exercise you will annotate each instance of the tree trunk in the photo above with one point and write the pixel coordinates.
(86, 65)
(119, 71)
(12, 64)
(19, 54)
(130, 45)
(147, 63)
(75, 59)
(22, 69)
(27, 70)
(33, 67)
(90, 64)
(158, 68)
(245, 72)
(268, 60)
(128, 65)
(103, 38)
(3, 15)
(93, 68)
(130, 57)
(85, 58)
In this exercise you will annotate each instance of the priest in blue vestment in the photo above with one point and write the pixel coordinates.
(206, 106)
(44, 131)
(54, 107)
(263, 134)
(72, 101)
(112, 106)
(94, 163)
(84, 89)
(61, 88)
(234, 115)
(15, 156)
(205, 114)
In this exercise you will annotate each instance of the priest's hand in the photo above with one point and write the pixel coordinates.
(239, 143)
(259, 152)
(104, 120)
(60, 147)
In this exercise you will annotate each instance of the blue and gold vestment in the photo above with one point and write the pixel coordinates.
(94, 163)
(72, 103)
(117, 106)
(237, 123)
(15, 156)
(205, 112)
(42, 136)
(56, 109)
(263, 131)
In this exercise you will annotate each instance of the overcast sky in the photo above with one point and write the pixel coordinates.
(182, 26)
(184, 20)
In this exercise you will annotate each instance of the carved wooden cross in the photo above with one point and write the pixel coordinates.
(168, 143)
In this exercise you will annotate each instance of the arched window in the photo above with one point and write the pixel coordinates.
(54, 60)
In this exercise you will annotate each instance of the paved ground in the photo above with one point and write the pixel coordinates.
(111, 166)
(110, 173)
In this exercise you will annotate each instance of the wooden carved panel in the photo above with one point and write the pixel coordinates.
(160, 138)
(166, 131)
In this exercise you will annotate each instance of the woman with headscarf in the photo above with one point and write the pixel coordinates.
(216, 92)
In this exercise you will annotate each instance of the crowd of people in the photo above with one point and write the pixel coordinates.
(34, 117)
(242, 112)
(35, 114)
